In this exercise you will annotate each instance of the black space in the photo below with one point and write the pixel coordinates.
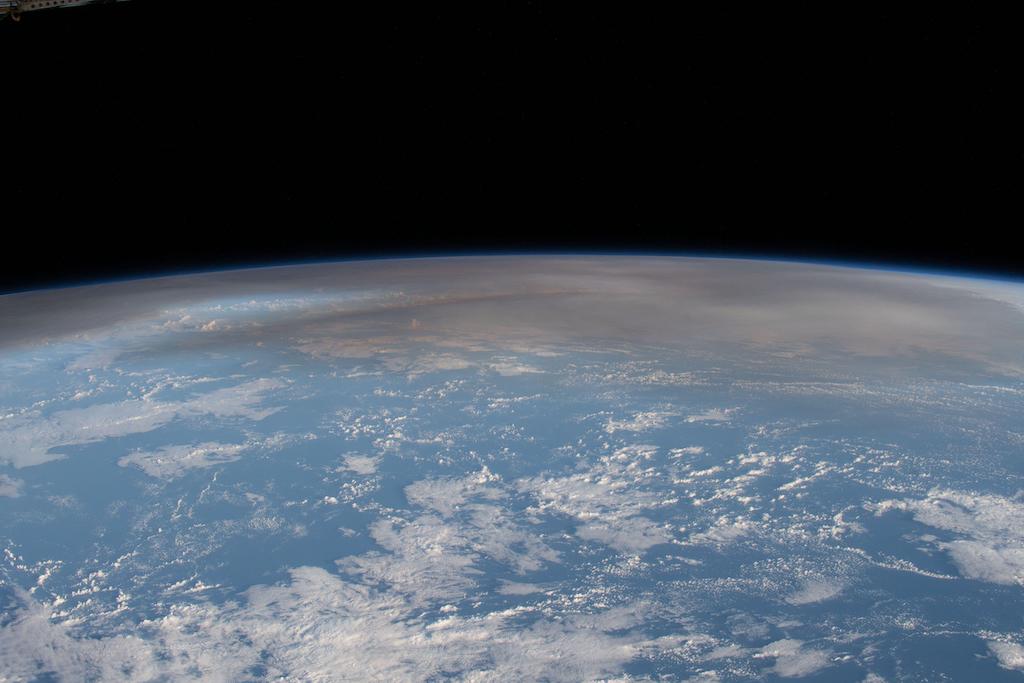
(159, 136)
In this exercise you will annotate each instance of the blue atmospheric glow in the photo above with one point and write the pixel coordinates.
(878, 265)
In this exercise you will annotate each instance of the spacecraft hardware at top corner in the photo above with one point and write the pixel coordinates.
(15, 8)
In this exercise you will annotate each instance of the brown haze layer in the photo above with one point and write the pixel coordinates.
(930, 325)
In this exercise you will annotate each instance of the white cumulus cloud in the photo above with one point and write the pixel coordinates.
(988, 530)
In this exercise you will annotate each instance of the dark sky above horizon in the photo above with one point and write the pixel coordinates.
(146, 138)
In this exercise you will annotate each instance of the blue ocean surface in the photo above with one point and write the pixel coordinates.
(282, 486)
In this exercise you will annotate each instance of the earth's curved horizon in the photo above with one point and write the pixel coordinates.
(522, 467)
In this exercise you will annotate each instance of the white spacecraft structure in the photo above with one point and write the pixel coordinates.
(15, 8)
